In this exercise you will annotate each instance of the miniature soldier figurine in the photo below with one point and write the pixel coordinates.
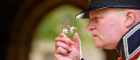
(69, 30)
(68, 26)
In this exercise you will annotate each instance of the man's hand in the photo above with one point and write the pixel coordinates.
(65, 49)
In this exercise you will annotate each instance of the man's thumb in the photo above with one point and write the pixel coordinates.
(76, 41)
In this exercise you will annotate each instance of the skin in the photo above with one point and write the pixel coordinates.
(107, 26)
(66, 49)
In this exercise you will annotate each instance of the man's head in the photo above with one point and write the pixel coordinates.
(110, 24)
(110, 20)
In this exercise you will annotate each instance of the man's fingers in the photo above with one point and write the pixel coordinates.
(65, 40)
(63, 45)
(62, 35)
(61, 39)
(61, 51)
(76, 41)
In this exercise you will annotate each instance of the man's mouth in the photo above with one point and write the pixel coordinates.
(95, 37)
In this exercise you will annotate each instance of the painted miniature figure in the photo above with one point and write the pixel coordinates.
(68, 28)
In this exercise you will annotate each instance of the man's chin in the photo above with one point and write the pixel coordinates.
(109, 48)
(97, 46)
(103, 47)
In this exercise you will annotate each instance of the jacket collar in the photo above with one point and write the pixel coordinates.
(129, 44)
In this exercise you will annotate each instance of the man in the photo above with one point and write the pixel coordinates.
(114, 25)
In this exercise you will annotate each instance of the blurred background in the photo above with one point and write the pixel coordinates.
(29, 27)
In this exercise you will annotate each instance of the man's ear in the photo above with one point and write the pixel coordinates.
(130, 18)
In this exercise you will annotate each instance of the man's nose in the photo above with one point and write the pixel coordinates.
(90, 27)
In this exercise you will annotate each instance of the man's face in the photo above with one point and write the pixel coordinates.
(107, 27)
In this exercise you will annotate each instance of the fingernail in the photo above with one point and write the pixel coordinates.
(64, 35)
(70, 49)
